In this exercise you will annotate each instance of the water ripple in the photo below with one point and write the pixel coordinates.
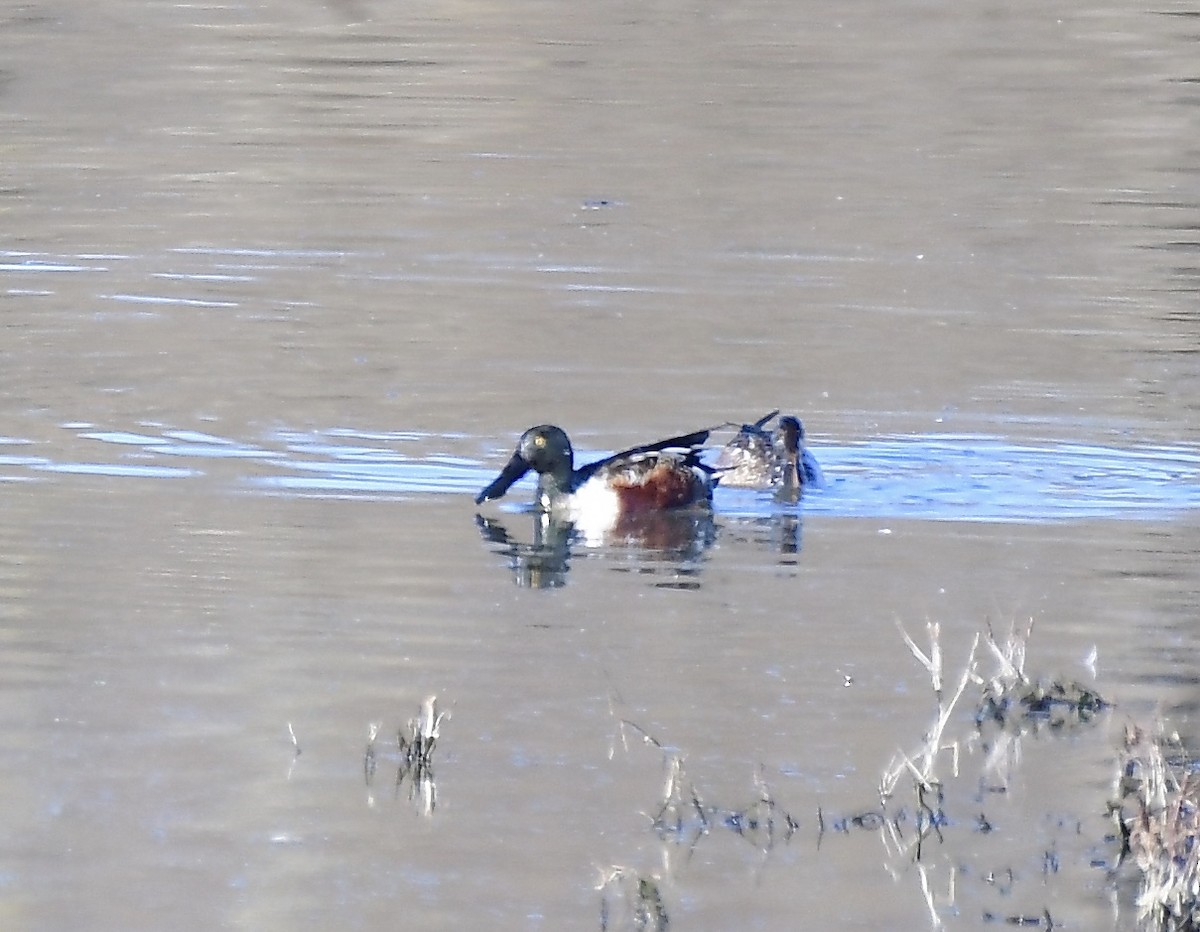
(934, 477)
(970, 478)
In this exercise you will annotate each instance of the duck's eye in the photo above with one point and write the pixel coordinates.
(539, 441)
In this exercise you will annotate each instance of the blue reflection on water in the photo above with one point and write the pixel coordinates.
(971, 478)
(941, 477)
(952, 477)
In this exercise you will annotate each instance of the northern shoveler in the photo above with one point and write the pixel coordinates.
(760, 458)
(666, 474)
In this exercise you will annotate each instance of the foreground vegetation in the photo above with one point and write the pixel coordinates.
(1155, 809)
(1154, 806)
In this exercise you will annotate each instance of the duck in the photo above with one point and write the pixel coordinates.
(648, 478)
(760, 458)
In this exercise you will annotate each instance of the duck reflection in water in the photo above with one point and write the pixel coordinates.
(671, 543)
(540, 563)
(780, 532)
(655, 498)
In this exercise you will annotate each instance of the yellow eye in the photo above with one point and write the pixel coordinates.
(539, 441)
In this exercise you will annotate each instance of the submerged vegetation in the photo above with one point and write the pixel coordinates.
(414, 755)
(1013, 700)
(629, 900)
(926, 808)
(975, 714)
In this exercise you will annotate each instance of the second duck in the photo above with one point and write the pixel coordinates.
(759, 458)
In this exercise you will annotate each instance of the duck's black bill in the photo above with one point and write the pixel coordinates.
(516, 468)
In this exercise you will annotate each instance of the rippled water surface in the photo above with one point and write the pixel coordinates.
(946, 477)
(281, 285)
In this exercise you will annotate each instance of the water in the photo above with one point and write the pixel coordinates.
(281, 285)
(936, 477)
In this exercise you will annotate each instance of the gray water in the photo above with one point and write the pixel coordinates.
(282, 283)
